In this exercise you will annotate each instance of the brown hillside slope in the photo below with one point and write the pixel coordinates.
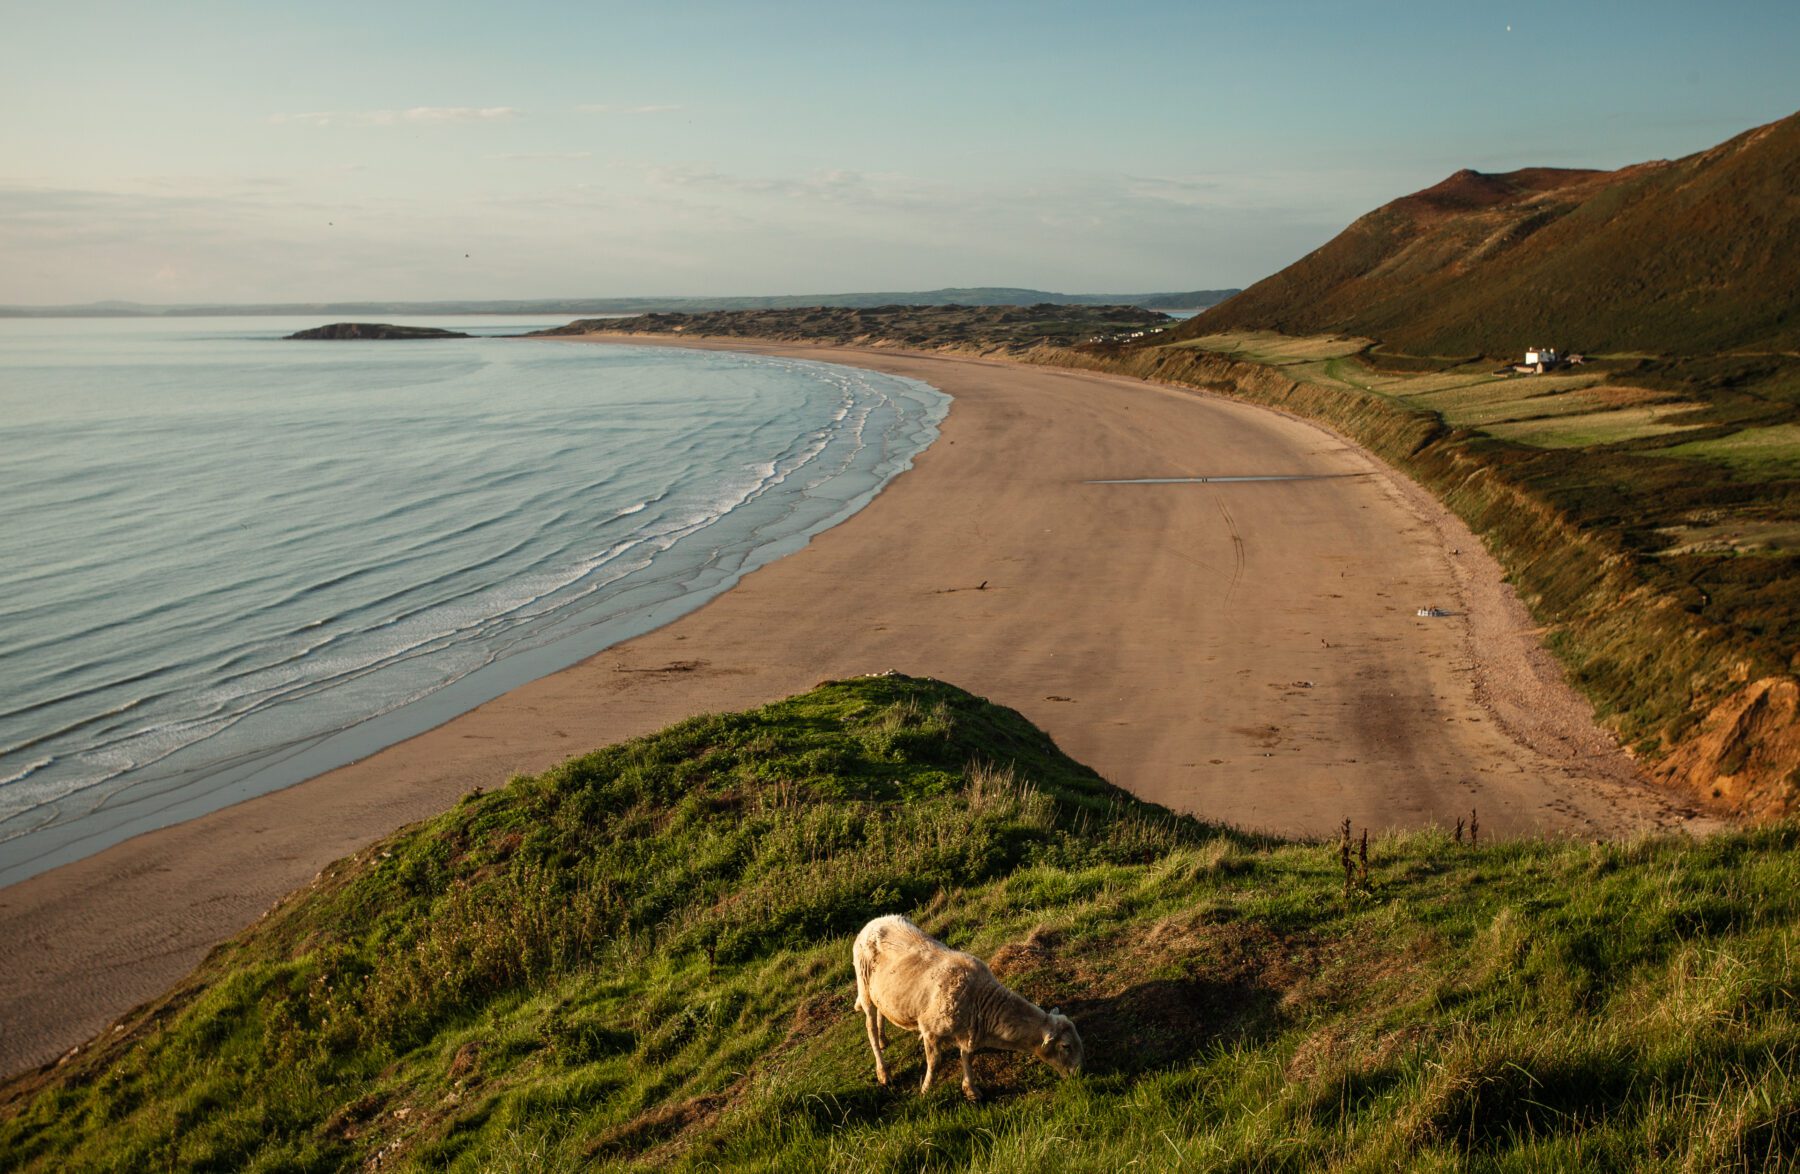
(1696, 256)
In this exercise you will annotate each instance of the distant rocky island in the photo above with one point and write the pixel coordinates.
(377, 330)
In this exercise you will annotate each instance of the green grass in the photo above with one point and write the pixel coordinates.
(1275, 349)
(1471, 403)
(1541, 411)
(641, 959)
(1586, 429)
(1762, 453)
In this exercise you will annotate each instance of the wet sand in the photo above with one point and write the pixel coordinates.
(1247, 651)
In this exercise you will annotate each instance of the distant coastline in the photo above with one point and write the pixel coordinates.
(971, 296)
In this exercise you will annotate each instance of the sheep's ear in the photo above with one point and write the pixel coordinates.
(1056, 1010)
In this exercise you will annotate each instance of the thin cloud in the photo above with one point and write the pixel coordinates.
(542, 156)
(1182, 190)
(413, 115)
(830, 186)
(664, 108)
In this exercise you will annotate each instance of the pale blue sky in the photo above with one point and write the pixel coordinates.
(252, 151)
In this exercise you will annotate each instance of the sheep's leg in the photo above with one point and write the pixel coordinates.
(931, 1057)
(872, 1021)
(968, 1076)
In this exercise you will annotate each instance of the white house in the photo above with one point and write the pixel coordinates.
(1544, 355)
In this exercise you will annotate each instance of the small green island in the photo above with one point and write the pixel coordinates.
(342, 331)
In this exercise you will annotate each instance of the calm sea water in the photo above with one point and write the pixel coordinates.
(228, 562)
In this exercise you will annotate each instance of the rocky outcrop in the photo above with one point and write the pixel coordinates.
(378, 330)
(1745, 753)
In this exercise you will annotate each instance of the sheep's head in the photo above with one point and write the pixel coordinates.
(1061, 1045)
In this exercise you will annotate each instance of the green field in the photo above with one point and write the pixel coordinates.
(1586, 429)
(640, 959)
(1507, 401)
(1277, 350)
(1763, 453)
(1571, 410)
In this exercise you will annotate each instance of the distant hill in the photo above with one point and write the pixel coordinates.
(977, 296)
(1696, 256)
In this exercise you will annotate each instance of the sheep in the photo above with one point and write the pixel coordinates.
(949, 997)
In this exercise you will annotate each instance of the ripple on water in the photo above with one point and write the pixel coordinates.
(234, 563)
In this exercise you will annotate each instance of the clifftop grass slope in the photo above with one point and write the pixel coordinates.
(640, 959)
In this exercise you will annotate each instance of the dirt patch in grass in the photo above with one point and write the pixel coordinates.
(662, 1126)
(1146, 1000)
(814, 1017)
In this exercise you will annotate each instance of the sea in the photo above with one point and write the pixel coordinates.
(229, 562)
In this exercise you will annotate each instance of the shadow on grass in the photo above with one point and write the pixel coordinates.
(1169, 1021)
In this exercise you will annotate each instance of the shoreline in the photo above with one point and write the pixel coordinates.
(1188, 641)
(160, 800)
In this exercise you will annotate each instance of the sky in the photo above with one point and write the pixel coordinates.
(246, 151)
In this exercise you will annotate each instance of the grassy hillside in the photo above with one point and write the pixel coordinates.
(641, 959)
(1691, 257)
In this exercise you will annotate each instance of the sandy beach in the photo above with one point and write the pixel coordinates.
(1248, 651)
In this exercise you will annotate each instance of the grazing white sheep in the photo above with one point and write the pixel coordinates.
(917, 983)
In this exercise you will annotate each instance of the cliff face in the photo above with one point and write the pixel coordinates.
(1693, 256)
(338, 331)
(1746, 754)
